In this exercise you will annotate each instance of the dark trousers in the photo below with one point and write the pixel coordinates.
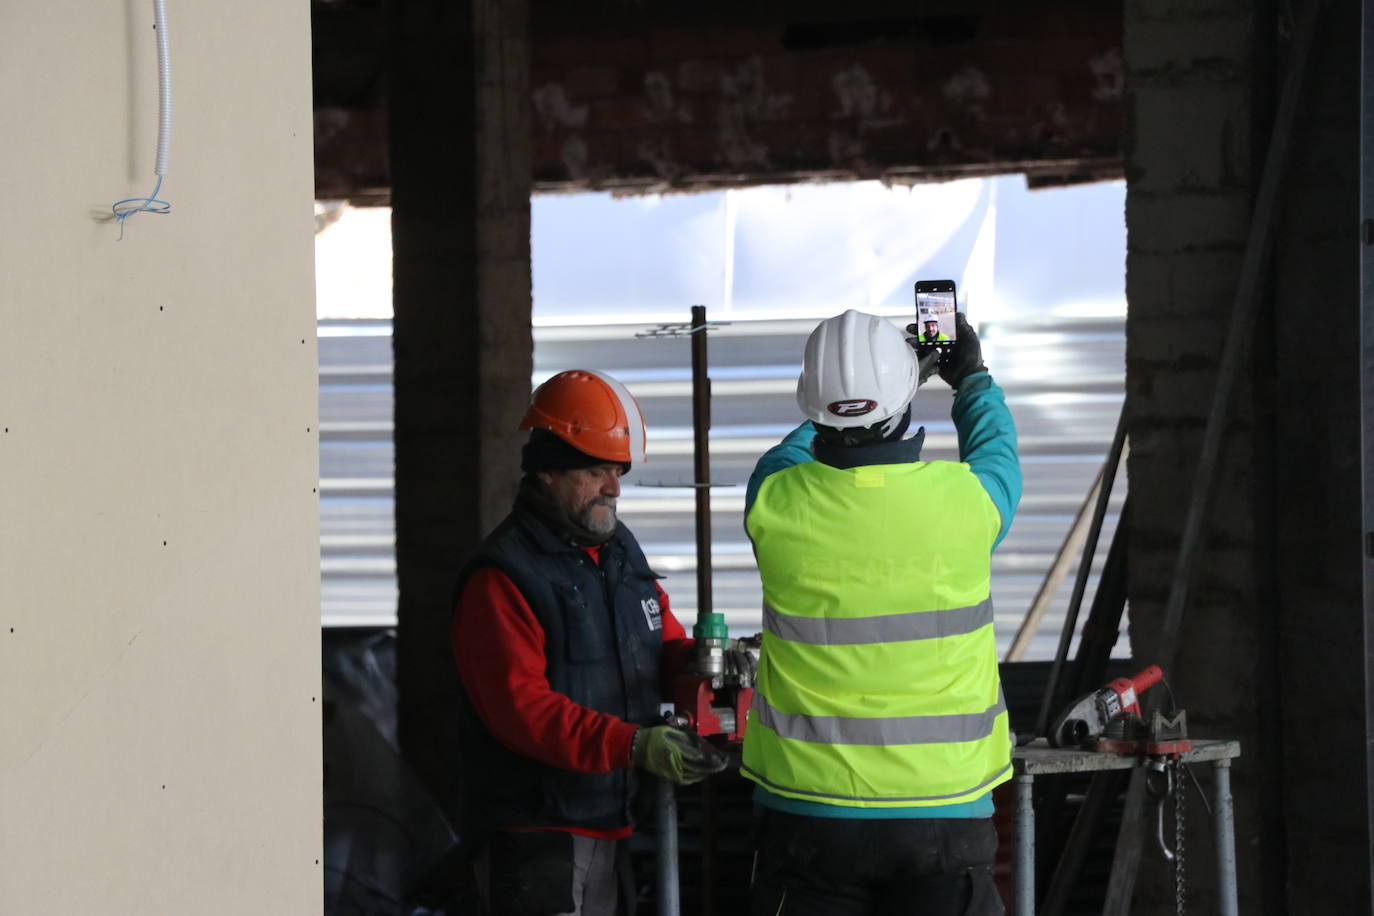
(819, 866)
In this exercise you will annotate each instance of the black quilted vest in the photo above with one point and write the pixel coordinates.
(602, 639)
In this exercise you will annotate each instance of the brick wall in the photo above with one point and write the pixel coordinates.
(681, 106)
(772, 93)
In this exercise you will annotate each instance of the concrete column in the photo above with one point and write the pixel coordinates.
(458, 78)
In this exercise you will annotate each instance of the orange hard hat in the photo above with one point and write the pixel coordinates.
(590, 411)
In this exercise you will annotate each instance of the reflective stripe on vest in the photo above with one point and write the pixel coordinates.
(877, 685)
(881, 731)
(849, 631)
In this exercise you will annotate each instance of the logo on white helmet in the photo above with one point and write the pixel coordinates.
(853, 407)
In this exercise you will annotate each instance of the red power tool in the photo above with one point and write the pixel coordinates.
(1085, 723)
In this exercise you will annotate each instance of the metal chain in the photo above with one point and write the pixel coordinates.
(1176, 785)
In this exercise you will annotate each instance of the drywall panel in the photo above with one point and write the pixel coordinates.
(159, 635)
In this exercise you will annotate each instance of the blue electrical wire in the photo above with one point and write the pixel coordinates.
(151, 204)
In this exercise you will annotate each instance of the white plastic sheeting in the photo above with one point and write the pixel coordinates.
(815, 250)
(781, 252)
(1042, 274)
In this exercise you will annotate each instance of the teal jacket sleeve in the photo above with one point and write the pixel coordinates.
(987, 442)
(795, 448)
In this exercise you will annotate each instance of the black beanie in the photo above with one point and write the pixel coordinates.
(547, 452)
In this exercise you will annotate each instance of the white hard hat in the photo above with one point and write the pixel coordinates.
(858, 370)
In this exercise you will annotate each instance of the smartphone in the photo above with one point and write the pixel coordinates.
(935, 303)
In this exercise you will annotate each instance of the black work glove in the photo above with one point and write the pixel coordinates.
(672, 754)
(962, 358)
(927, 358)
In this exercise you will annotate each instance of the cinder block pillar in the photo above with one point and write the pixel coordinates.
(1271, 644)
(1194, 151)
(458, 81)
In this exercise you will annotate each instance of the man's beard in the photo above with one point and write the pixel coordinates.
(598, 523)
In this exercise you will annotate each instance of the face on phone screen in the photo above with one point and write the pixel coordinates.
(935, 315)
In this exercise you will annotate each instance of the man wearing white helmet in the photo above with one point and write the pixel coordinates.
(878, 728)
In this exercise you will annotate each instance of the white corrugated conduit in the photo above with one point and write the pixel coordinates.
(152, 204)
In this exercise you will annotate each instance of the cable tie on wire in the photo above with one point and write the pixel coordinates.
(126, 208)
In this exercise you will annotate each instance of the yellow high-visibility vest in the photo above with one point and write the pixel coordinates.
(877, 686)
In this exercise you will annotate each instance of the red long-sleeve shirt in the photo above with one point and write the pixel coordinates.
(498, 644)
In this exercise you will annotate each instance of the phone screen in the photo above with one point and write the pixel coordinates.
(935, 304)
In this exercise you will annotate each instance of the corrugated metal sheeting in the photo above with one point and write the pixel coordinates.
(1063, 379)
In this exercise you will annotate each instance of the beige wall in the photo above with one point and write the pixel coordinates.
(159, 608)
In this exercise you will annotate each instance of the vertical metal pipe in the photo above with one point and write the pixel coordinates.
(701, 474)
(1227, 902)
(1367, 404)
(701, 458)
(668, 900)
(710, 630)
(1024, 875)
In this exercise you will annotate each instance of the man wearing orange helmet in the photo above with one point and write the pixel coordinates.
(560, 633)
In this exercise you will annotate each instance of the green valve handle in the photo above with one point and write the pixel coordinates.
(711, 626)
